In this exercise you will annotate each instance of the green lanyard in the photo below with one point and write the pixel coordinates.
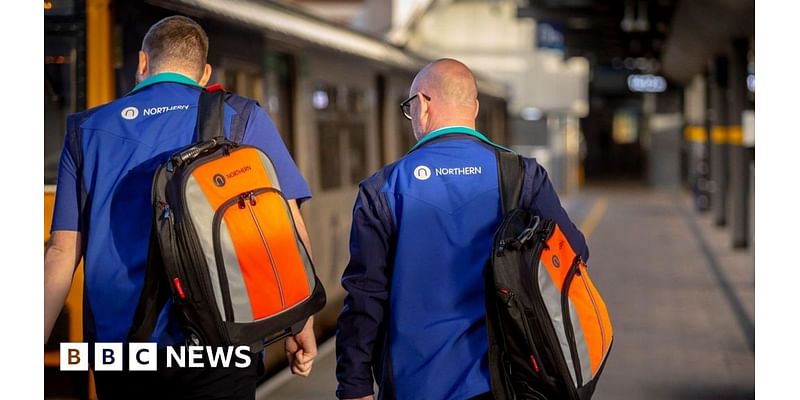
(457, 129)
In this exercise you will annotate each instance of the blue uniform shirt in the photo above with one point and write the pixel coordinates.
(414, 314)
(108, 198)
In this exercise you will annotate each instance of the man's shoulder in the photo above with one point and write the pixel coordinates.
(532, 164)
(101, 111)
(239, 102)
(377, 180)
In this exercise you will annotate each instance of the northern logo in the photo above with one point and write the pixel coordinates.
(219, 180)
(422, 173)
(130, 113)
(556, 262)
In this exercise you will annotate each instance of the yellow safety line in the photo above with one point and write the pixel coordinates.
(595, 214)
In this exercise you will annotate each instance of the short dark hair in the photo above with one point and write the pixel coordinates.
(176, 42)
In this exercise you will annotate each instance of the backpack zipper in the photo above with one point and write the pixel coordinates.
(244, 200)
(251, 202)
(596, 312)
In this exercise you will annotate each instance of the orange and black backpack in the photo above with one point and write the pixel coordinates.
(223, 246)
(549, 331)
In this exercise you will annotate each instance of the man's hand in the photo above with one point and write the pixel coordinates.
(301, 349)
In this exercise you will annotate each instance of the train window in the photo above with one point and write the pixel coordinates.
(272, 90)
(59, 98)
(329, 155)
(279, 79)
(59, 8)
(341, 122)
(357, 153)
(247, 84)
(356, 101)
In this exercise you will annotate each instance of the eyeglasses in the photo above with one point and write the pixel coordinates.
(405, 106)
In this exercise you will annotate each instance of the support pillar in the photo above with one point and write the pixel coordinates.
(739, 161)
(718, 121)
(696, 137)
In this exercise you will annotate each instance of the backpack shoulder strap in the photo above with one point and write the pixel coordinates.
(210, 116)
(510, 174)
(243, 107)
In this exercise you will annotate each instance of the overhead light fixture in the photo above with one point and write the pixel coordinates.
(635, 20)
(627, 23)
(629, 63)
(641, 24)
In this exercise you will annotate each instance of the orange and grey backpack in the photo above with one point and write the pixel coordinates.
(549, 331)
(223, 247)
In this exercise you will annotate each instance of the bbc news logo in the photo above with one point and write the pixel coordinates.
(144, 356)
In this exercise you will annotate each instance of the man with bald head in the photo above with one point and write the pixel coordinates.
(414, 315)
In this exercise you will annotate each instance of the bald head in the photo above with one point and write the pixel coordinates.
(449, 81)
(453, 96)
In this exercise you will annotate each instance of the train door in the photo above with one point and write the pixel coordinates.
(337, 110)
(272, 86)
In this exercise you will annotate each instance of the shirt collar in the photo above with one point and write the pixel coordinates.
(455, 129)
(173, 77)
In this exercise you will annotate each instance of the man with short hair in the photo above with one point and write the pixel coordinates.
(103, 211)
(414, 313)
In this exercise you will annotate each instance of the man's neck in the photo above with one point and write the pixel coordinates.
(469, 123)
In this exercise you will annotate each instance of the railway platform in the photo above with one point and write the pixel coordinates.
(681, 300)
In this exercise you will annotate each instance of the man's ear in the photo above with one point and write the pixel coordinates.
(206, 75)
(423, 106)
(424, 116)
(143, 67)
(477, 108)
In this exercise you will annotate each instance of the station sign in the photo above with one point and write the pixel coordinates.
(647, 83)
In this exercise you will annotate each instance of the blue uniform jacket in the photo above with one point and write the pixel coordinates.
(104, 190)
(413, 317)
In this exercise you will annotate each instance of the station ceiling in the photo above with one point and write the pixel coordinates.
(672, 37)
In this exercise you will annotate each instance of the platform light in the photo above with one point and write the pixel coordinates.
(647, 83)
(320, 99)
(751, 83)
(531, 114)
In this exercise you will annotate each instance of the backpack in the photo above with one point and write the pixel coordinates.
(223, 245)
(549, 331)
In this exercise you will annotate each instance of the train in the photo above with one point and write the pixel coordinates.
(332, 92)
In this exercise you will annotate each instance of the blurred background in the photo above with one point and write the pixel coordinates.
(642, 112)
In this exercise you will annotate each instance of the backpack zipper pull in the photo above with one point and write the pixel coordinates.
(507, 296)
(252, 197)
(165, 213)
(241, 201)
